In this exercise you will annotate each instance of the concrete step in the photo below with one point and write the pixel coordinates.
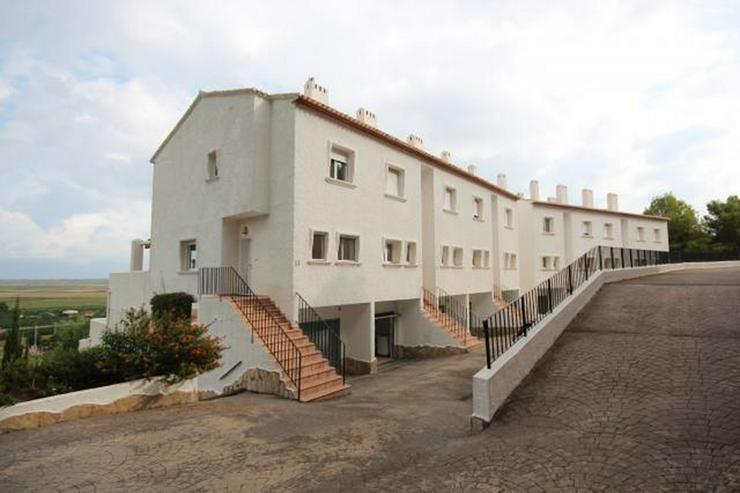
(330, 393)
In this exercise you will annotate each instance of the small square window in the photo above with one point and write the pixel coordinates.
(509, 218)
(548, 225)
(319, 245)
(188, 255)
(394, 181)
(587, 228)
(480, 258)
(392, 252)
(477, 208)
(212, 166)
(640, 233)
(656, 234)
(411, 252)
(457, 256)
(349, 248)
(341, 164)
(450, 200)
(556, 263)
(608, 230)
(545, 263)
(445, 260)
(510, 261)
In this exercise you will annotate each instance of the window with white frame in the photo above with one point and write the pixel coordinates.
(394, 181)
(445, 260)
(608, 230)
(477, 258)
(640, 233)
(212, 166)
(411, 253)
(450, 199)
(509, 261)
(587, 228)
(548, 225)
(546, 262)
(477, 208)
(457, 257)
(509, 217)
(188, 255)
(341, 164)
(556, 263)
(319, 245)
(392, 251)
(656, 234)
(349, 248)
(486, 259)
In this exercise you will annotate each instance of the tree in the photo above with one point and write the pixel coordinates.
(13, 349)
(685, 231)
(723, 222)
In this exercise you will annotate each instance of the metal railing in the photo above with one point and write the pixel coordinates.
(453, 315)
(509, 324)
(226, 281)
(321, 335)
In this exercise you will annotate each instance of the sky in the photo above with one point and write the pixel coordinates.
(637, 98)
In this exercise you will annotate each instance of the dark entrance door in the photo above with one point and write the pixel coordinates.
(385, 334)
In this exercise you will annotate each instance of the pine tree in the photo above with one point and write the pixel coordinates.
(13, 348)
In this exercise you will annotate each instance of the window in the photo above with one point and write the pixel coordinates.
(457, 257)
(509, 218)
(477, 208)
(341, 164)
(450, 203)
(394, 182)
(640, 233)
(445, 261)
(556, 263)
(392, 252)
(546, 263)
(486, 259)
(411, 252)
(510, 261)
(188, 255)
(349, 248)
(212, 167)
(550, 262)
(587, 228)
(477, 258)
(656, 234)
(548, 225)
(319, 245)
(608, 230)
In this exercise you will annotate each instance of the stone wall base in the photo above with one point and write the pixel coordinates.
(359, 367)
(424, 352)
(262, 382)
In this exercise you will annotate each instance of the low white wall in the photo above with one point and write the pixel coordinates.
(53, 408)
(491, 387)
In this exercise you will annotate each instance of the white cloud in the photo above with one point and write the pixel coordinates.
(633, 97)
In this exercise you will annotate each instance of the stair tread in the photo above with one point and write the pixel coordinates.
(312, 396)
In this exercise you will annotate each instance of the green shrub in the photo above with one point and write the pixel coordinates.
(67, 369)
(177, 305)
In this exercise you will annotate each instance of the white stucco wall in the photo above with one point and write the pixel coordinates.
(127, 290)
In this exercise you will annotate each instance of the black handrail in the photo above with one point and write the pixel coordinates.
(226, 281)
(509, 324)
(321, 335)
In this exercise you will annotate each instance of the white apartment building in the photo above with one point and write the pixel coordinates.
(372, 231)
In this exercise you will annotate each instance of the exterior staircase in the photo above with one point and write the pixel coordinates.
(453, 323)
(309, 373)
(317, 378)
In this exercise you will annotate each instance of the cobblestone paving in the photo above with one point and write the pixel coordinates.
(642, 392)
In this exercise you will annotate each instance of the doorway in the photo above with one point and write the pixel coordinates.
(385, 334)
(244, 265)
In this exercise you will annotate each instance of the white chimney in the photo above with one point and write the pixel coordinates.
(612, 201)
(501, 180)
(534, 190)
(587, 198)
(473, 169)
(367, 117)
(561, 193)
(446, 156)
(415, 141)
(137, 256)
(316, 92)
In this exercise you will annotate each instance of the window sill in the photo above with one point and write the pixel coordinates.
(478, 219)
(395, 197)
(451, 266)
(392, 265)
(188, 272)
(508, 227)
(608, 237)
(590, 237)
(348, 262)
(481, 268)
(450, 211)
(212, 179)
(341, 183)
(509, 268)
(317, 261)
(548, 233)
(411, 266)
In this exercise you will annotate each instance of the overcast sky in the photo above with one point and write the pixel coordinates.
(635, 98)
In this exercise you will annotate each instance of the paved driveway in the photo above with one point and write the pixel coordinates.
(642, 392)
